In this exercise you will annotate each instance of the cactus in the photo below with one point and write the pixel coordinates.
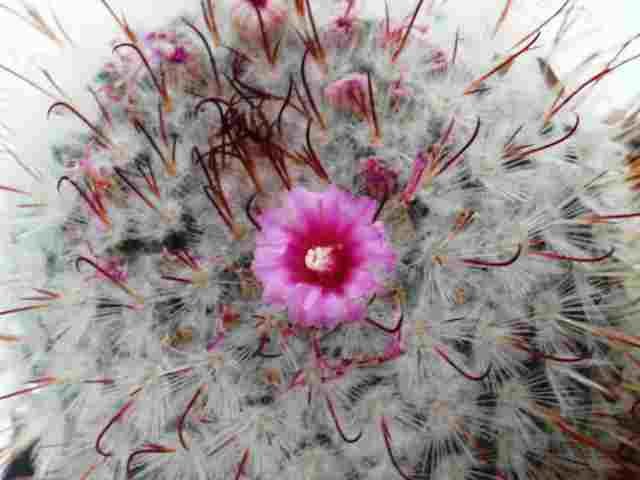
(294, 240)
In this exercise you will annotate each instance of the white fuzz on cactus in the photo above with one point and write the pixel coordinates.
(290, 239)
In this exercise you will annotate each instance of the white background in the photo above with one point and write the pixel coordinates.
(606, 24)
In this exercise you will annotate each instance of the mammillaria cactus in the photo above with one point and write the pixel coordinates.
(295, 241)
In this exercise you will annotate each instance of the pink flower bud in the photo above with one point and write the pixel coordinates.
(419, 166)
(163, 47)
(439, 61)
(397, 92)
(244, 15)
(390, 35)
(350, 94)
(342, 31)
(379, 180)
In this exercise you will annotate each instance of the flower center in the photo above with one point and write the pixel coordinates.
(321, 259)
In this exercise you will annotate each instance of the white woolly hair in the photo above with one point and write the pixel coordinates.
(466, 301)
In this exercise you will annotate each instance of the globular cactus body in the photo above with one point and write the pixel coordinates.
(296, 241)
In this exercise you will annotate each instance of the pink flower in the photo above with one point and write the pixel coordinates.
(322, 256)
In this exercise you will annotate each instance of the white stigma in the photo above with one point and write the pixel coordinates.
(319, 259)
